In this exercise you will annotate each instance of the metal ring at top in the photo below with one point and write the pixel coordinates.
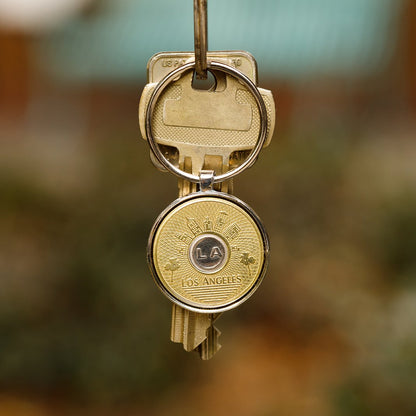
(200, 38)
(251, 158)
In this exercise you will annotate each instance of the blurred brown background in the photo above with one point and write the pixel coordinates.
(332, 329)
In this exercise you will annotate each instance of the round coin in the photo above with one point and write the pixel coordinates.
(208, 252)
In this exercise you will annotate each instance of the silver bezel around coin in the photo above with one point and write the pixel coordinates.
(212, 194)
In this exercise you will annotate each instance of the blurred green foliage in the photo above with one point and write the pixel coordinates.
(396, 237)
(84, 316)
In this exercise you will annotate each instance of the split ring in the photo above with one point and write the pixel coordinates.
(246, 81)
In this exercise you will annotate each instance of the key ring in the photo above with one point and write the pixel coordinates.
(160, 87)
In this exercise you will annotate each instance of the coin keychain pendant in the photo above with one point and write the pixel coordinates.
(208, 251)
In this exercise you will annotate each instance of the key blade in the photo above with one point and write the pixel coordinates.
(189, 328)
(195, 331)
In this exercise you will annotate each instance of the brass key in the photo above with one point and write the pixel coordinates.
(199, 130)
(202, 123)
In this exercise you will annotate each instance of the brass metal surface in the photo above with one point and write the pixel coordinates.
(162, 63)
(193, 218)
(201, 123)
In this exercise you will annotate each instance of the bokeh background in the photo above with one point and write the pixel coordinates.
(332, 329)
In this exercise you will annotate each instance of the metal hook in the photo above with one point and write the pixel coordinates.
(200, 38)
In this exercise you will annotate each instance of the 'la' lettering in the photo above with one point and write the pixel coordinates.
(215, 252)
(199, 254)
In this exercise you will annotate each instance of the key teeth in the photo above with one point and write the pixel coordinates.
(210, 346)
(189, 328)
(185, 330)
(195, 329)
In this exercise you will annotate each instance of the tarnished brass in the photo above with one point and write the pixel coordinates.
(208, 252)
